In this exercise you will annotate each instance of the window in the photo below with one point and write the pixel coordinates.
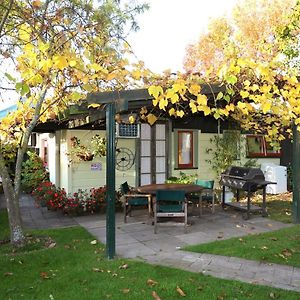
(185, 149)
(258, 147)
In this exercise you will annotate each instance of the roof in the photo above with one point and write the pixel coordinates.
(7, 110)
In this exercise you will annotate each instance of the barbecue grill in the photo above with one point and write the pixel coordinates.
(248, 180)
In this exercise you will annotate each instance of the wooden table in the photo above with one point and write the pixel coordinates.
(152, 188)
(188, 188)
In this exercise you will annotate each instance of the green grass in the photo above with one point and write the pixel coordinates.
(280, 246)
(279, 206)
(77, 269)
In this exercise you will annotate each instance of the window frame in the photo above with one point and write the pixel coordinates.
(264, 148)
(193, 164)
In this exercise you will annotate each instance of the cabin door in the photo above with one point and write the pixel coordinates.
(153, 153)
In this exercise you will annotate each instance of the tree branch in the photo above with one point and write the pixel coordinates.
(2, 23)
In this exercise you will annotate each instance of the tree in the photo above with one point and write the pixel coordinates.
(58, 51)
(249, 33)
(260, 91)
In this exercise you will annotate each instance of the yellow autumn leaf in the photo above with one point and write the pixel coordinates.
(206, 110)
(254, 87)
(111, 76)
(24, 33)
(72, 63)
(174, 99)
(265, 88)
(266, 106)
(45, 65)
(229, 107)
(195, 89)
(151, 119)
(172, 111)
(224, 112)
(60, 62)
(244, 94)
(163, 102)
(241, 105)
(87, 87)
(202, 100)
(180, 113)
(179, 87)
(94, 105)
(193, 107)
(155, 91)
(43, 47)
(136, 74)
(246, 83)
(155, 102)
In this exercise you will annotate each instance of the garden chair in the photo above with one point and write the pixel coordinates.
(170, 204)
(207, 194)
(133, 199)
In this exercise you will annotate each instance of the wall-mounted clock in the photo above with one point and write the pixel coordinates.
(124, 159)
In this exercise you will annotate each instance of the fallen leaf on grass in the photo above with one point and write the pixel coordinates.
(97, 270)
(126, 291)
(125, 266)
(155, 296)
(180, 291)
(151, 282)
(44, 275)
(52, 245)
(94, 242)
(264, 248)
(8, 274)
(274, 239)
(286, 252)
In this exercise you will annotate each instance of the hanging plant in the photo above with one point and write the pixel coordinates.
(80, 152)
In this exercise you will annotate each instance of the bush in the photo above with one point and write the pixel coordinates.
(47, 194)
(33, 172)
(184, 179)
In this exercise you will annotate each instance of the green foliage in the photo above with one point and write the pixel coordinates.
(80, 152)
(226, 150)
(33, 172)
(184, 179)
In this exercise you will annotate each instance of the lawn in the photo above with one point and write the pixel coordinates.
(280, 246)
(68, 264)
(279, 206)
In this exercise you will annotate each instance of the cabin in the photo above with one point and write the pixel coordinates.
(144, 154)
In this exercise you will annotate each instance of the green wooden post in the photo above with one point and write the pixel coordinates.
(296, 175)
(110, 181)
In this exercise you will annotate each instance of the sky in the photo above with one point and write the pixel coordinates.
(165, 31)
(169, 26)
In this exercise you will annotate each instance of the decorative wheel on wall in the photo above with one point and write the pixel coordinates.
(124, 159)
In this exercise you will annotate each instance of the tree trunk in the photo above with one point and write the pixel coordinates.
(17, 237)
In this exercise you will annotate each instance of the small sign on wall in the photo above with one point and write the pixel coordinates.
(96, 167)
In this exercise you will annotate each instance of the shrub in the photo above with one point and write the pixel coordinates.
(82, 201)
(47, 194)
(33, 172)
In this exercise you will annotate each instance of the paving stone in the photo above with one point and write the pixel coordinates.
(137, 240)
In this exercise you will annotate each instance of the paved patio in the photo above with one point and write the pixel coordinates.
(136, 240)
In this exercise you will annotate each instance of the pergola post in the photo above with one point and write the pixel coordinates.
(110, 181)
(296, 175)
